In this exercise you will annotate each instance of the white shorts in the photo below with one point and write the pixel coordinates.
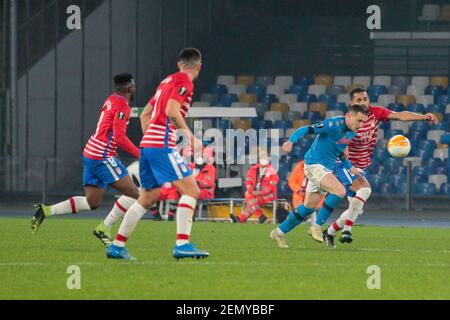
(315, 173)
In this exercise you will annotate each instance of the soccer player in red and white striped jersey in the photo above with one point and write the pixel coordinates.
(360, 153)
(102, 168)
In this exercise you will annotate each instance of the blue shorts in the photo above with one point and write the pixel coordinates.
(346, 177)
(160, 165)
(101, 173)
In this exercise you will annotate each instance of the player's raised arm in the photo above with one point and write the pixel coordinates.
(318, 128)
(411, 116)
(146, 117)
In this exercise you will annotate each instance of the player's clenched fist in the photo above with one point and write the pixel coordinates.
(431, 117)
(287, 147)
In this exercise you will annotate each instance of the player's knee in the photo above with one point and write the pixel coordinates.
(93, 203)
(340, 192)
(364, 193)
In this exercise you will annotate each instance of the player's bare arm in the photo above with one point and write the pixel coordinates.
(411, 116)
(146, 117)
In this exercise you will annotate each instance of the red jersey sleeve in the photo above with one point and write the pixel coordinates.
(381, 113)
(180, 92)
(120, 124)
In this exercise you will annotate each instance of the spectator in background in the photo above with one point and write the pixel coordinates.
(261, 188)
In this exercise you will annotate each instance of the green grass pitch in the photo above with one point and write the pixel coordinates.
(244, 263)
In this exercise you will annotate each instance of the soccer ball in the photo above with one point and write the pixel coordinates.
(133, 171)
(399, 146)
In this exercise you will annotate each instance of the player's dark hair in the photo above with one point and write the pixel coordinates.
(357, 90)
(190, 56)
(122, 81)
(358, 108)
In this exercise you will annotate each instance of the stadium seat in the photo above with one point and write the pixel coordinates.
(425, 100)
(332, 114)
(237, 89)
(281, 107)
(273, 116)
(245, 80)
(292, 115)
(260, 107)
(284, 81)
(432, 164)
(401, 170)
(218, 89)
(401, 81)
(226, 100)
(242, 124)
(248, 98)
(327, 98)
(201, 104)
(391, 133)
(240, 105)
(343, 98)
(344, 81)
(445, 189)
(304, 81)
(282, 124)
(224, 124)
(336, 90)
(414, 90)
(430, 12)
(435, 108)
(309, 98)
(317, 89)
(435, 135)
(385, 188)
(300, 107)
(375, 91)
(445, 13)
(434, 91)
(443, 100)
(427, 144)
(419, 126)
(381, 154)
(298, 152)
(396, 107)
(439, 81)
(406, 99)
(299, 123)
(314, 116)
(258, 90)
(351, 87)
(396, 90)
(275, 90)
(379, 169)
(264, 80)
(415, 107)
(321, 108)
(323, 79)
(440, 154)
(226, 80)
(268, 99)
(414, 136)
(364, 81)
(262, 124)
(444, 126)
(376, 180)
(392, 163)
(440, 170)
(382, 81)
(400, 125)
(425, 189)
(420, 81)
(386, 99)
(339, 106)
(212, 99)
(289, 98)
(298, 90)
(385, 125)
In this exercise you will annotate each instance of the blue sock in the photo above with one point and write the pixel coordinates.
(331, 201)
(295, 218)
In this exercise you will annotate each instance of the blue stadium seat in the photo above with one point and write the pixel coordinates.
(424, 154)
(400, 189)
(298, 90)
(263, 124)
(434, 91)
(224, 124)
(336, 90)
(212, 98)
(337, 106)
(425, 189)
(308, 98)
(327, 98)
(443, 100)
(414, 136)
(282, 124)
(261, 108)
(381, 170)
(429, 145)
(446, 117)
(396, 107)
(218, 89)
(445, 189)
(397, 179)
(305, 143)
(401, 170)
(381, 154)
(268, 99)
(386, 188)
(264, 80)
(385, 125)
(432, 164)
(420, 179)
(435, 108)
(440, 126)
(390, 133)
(298, 152)
(375, 91)
(226, 100)
(420, 171)
(305, 81)
(375, 181)
(415, 107)
(313, 116)
(420, 126)
(392, 163)
(440, 170)
(258, 90)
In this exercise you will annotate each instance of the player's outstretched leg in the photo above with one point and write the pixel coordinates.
(186, 206)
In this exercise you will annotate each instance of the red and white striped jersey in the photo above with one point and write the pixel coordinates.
(161, 133)
(362, 146)
(111, 131)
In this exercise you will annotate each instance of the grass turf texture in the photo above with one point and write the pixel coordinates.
(244, 263)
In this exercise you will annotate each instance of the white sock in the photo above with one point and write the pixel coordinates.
(185, 211)
(71, 206)
(356, 207)
(118, 211)
(338, 224)
(129, 223)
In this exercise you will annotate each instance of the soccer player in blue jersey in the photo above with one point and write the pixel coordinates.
(333, 137)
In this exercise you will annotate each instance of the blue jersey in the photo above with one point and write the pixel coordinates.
(333, 136)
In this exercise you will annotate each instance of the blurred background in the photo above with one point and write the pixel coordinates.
(293, 62)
